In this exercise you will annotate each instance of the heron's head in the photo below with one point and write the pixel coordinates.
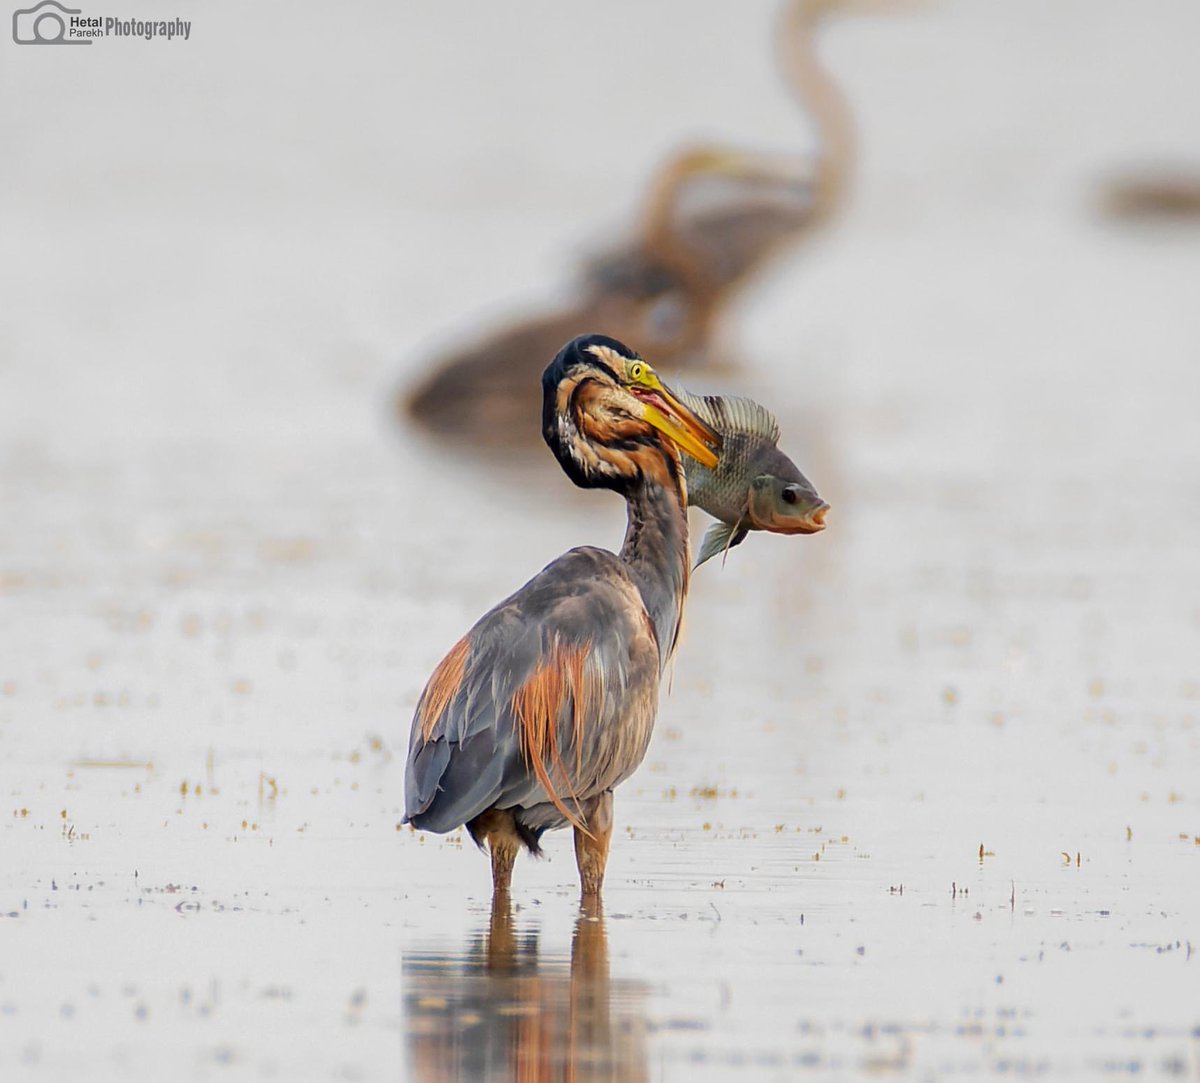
(607, 433)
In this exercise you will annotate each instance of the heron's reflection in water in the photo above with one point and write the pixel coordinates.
(502, 1010)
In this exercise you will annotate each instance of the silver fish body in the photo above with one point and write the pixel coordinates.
(754, 485)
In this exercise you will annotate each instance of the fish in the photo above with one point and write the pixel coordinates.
(754, 485)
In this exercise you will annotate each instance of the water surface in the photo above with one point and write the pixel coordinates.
(922, 798)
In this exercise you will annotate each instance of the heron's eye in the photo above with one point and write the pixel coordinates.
(789, 496)
(637, 370)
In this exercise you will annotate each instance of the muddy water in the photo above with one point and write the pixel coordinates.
(922, 799)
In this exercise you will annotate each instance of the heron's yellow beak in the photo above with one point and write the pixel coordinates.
(666, 413)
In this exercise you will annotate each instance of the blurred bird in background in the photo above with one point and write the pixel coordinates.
(1166, 193)
(713, 218)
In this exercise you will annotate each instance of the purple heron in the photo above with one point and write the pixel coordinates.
(548, 702)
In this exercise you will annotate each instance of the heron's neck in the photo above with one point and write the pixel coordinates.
(656, 552)
(827, 105)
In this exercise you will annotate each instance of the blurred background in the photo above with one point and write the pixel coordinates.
(231, 553)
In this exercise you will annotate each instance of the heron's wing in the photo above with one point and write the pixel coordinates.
(532, 704)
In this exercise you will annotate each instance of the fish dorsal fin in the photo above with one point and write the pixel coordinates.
(733, 414)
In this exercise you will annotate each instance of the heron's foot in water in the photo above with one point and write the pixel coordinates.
(496, 831)
(591, 845)
(500, 946)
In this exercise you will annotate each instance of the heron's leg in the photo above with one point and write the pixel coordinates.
(591, 853)
(501, 944)
(497, 828)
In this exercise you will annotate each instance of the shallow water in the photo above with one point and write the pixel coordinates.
(922, 798)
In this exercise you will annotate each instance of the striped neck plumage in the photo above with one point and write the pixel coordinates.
(657, 553)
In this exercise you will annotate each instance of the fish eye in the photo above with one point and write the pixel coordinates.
(789, 495)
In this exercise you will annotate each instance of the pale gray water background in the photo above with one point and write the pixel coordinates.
(224, 566)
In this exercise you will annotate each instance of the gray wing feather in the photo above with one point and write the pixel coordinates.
(472, 759)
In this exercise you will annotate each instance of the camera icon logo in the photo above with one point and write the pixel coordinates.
(43, 24)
